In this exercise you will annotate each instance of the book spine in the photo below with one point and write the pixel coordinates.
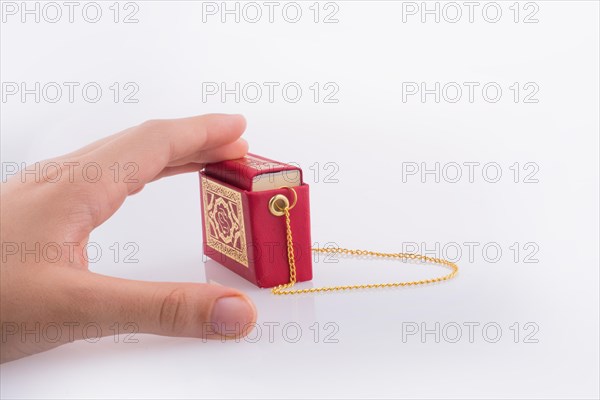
(269, 244)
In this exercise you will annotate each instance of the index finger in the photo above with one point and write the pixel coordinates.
(154, 145)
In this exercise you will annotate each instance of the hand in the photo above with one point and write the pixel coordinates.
(56, 295)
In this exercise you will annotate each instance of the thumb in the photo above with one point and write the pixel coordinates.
(169, 309)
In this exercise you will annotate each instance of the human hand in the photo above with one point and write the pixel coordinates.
(57, 212)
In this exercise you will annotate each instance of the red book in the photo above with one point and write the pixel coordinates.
(241, 233)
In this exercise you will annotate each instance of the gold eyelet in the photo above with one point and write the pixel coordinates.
(278, 204)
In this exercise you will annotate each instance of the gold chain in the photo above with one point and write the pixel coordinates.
(283, 289)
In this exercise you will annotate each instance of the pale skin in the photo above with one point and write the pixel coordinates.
(58, 290)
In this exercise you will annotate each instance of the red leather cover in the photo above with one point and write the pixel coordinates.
(241, 233)
(242, 171)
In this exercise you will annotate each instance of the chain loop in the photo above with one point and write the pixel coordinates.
(284, 288)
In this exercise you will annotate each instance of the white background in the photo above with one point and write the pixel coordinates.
(367, 135)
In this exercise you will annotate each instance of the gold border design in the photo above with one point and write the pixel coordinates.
(224, 229)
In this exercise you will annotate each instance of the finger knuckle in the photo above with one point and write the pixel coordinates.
(157, 131)
(175, 311)
(152, 125)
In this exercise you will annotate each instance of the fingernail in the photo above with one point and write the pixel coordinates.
(231, 316)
